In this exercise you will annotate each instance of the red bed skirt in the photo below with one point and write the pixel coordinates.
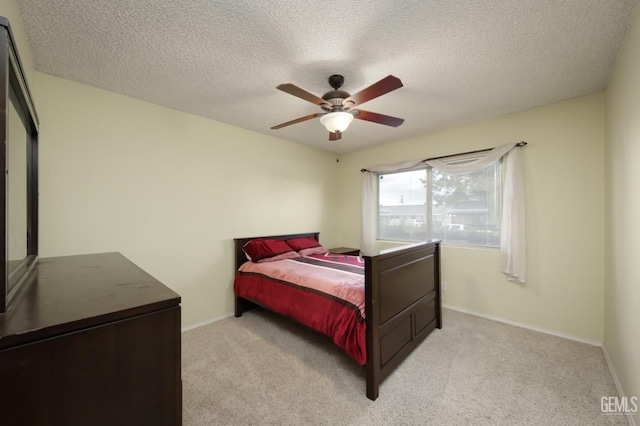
(319, 311)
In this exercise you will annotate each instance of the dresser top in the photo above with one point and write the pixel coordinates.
(70, 293)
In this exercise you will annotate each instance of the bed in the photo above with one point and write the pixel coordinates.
(399, 288)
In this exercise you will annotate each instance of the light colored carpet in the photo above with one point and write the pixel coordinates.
(262, 369)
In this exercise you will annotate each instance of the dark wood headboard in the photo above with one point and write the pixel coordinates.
(240, 242)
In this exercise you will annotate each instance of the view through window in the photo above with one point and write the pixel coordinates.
(457, 208)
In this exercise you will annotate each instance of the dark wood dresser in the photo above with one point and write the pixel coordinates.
(92, 340)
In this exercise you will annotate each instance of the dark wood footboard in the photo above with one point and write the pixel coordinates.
(402, 296)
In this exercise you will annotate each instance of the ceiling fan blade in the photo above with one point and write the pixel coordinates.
(386, 85)
(298, 120)
(374, 117)
(335, 136)
(302, 94)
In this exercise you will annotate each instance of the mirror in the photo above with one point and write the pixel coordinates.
(16, 175)
(19, 182)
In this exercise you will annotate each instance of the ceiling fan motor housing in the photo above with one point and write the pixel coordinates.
(335, 98)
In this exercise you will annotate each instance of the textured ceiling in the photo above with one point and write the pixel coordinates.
(460, 60)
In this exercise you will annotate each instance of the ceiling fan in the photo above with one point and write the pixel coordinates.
(339, 106)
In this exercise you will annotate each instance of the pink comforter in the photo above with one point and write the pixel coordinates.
(324, 292)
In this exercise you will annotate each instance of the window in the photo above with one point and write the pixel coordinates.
(458, 208)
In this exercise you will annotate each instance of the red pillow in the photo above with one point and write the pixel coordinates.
(306, 246)
(262, 250)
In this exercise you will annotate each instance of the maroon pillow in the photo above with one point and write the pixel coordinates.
(306, 246)
(263, 250)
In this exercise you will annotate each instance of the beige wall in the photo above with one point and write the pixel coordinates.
(169, 190)
(564, 180)
(622, 291)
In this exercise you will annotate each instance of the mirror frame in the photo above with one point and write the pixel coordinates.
(14, 86)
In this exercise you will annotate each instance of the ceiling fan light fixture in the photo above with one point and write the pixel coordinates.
(336, 122)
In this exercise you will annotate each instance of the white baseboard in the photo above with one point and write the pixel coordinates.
(207, 322)
(522, 325)
(632, 422)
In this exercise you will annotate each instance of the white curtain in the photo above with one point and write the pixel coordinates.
(470, 166)
(512, 232)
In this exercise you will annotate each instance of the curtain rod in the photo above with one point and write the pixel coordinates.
(521, 143)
